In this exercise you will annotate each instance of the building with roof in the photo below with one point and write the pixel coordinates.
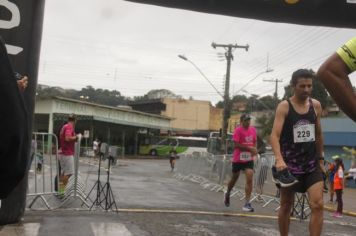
(338, 133)
(113, 125)
(189, 117)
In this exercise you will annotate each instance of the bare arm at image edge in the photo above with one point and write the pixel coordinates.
(334, 72)
(281, 113)
(318, 134)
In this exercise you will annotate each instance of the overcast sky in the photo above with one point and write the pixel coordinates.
(134, 48)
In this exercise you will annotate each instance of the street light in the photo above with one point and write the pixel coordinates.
(261, 73)
(196, 67)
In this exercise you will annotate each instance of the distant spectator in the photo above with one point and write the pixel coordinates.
(172, 158)
(339, 185)
(331, 172)
(96, 147)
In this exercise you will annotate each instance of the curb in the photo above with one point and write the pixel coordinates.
(344, 212)
(330, 208)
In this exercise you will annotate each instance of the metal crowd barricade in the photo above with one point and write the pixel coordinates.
(263, 166)
(204, 168)
(75, 186)
(301, 207)
(213, 172)
(44, 173)
(44, 167)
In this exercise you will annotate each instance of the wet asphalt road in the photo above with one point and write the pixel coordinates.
(152, 202)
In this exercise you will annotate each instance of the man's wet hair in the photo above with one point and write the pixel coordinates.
(71, 117)
(301, 74)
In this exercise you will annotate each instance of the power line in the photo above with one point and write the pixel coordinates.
(276, 81)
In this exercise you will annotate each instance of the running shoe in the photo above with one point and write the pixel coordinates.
(283, 178)
(227, 199)
(337, 215)
(247, 207)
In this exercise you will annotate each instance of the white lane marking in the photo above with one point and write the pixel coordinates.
(27, 229)
(109, 229)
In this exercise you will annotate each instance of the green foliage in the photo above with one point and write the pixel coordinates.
(239, 98)
(100, 96)
(88, 94)
(220, 104)
(288, 92)
(266, 122)
(253, 103)
(261, 104)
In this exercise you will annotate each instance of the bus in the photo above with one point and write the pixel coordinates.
(161, 146)
(214, 143)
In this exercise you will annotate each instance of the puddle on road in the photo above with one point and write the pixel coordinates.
(109, 229)
(194, 230)
(28, 229)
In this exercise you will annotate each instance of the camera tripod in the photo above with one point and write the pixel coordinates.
(98, 186)
(109, 198)
(104, 194)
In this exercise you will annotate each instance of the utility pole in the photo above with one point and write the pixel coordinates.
(227, 104)
(276, 89)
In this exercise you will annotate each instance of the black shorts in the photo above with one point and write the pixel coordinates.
(237, 166)
(305, 181)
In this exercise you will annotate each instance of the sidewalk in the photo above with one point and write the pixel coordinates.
(349, 200)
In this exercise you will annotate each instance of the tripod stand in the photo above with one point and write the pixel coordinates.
(109, 198)
(98, 186)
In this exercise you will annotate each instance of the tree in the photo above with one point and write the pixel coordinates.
(268, 102)
(239, 98)
(161, 93)
(220, 104)
(100, 96)
(266, 122)
(288, 92)
(252, 103)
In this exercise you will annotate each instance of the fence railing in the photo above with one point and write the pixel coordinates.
(44, 168)
(45, 171)
(212, 172)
